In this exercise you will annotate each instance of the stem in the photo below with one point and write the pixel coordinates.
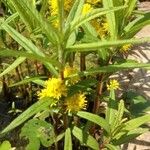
(82, 62)
(60, 4)
(99, 93)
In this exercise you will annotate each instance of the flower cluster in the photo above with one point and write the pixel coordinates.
(125, 48)
(54, 7)
(113, 85)
(68, 71)
(75, 102)
(57, 90)
(99, 24)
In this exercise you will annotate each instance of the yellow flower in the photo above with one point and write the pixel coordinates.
(55, 88)
(75, 102)
(113, 85)
(68, 4)
(54, 7)
(68, 71)
(125, 48)
(86, 8)
(101, 28)
(105, 27)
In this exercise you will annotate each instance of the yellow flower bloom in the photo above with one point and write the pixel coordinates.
(68, 4)
(86, 8)
(54, 7)
(55, 88)
(113, 85)
(105, 27)
(75, 102)
(101, 28)
(125, 48)
(68, 71)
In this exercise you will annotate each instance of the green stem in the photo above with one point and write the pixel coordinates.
(60, 4)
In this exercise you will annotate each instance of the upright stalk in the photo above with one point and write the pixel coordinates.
(99, 93)
(60, 45)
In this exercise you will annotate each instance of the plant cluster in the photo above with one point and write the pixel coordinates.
(79, 44)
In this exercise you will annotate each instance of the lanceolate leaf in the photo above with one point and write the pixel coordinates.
(128, 136)
(91, 15)
(27, 44)
(43, 59)
(111, 19)
(68, 140)
(111, 110)
(131, 5)
(25, 13)
(119, 115)
(13, 65)
(35, 108)
(33, 19)
(111, 147)
(95, 119)
(136, 25)
(27, 80)
(103, 44)
(115, 68)
(134, 123)
(75, 11)
(87, 140)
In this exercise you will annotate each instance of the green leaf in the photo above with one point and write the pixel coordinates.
(27, 80)
(114, 68)
(39, 82)
(95, 119)
(111, 18)
(27, 44)
(38, 131)
(82, 86)
(75, 11)
(136, 25)
(119, 116)
(111, 110)
(32, 18)
(104, 44)
(12, 66)
(138, 105)
(91, 15)
(111, 147)
(127, 136)
(90, 33)
(87, 140)
(32, 110)
(134, 123)
(68, 140)
(5, 145)
(129, 10)
(26, 14)
(29, 55)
